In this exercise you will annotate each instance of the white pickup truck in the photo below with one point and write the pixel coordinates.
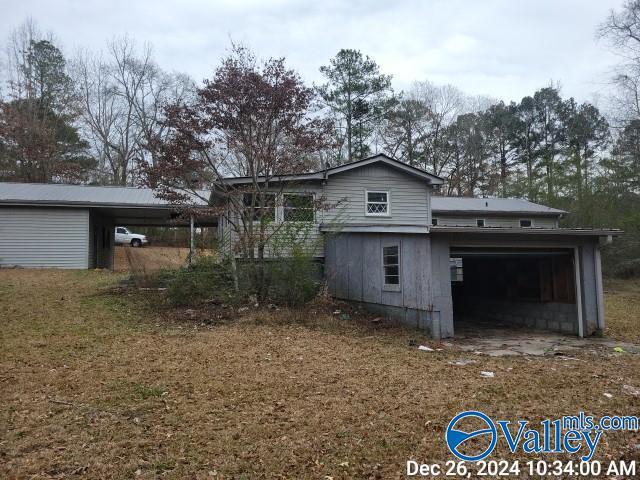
(125, 237)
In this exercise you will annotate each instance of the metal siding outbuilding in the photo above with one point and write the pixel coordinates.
(44, 237)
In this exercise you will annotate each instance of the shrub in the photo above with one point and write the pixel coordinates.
(290, 276)
(205, 280)
(293, 280)
(628, 269)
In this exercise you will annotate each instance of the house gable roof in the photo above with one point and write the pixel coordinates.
(391, 162)
(324, 174)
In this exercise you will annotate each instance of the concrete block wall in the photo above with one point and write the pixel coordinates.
(424, 320)
(556, 317)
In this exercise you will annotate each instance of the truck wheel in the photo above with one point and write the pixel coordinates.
(136, 242)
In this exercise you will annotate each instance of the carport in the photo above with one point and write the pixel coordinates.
(547, 279)
(72, 226)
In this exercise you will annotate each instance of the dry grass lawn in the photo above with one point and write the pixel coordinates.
(623, 309)
(97, 385)
(150, 258)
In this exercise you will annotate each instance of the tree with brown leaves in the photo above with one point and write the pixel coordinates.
(254, 120)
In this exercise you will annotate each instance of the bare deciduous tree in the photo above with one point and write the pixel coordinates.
(123, 94)
(622, 30)
(445, 102)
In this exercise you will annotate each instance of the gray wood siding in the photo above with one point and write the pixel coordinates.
(409, 197)
(44, 237)
(588, 281)
(493, 221)
(353, 267)
(441, 277)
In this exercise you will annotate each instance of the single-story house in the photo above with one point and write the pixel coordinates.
(391, 245)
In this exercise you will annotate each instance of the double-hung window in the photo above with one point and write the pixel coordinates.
(377, 203)
(260, 207)
(297, 207)
(391, 267)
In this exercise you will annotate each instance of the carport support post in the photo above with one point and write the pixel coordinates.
(192, 239)
(578, 282)
(599, 290)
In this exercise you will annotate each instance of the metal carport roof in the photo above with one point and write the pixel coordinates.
(126, 205)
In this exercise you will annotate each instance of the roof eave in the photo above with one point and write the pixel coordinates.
(498, 212)
(81, 204)
(275, 179)
(530, 231)
(323, 174)
(373, 228)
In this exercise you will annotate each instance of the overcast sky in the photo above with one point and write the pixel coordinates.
(502, 48)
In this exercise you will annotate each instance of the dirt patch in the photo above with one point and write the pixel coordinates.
(94, 385)
(321, 314)
(521, 341)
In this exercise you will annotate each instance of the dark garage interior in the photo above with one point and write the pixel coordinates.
(510, 288)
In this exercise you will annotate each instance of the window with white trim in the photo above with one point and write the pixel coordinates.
(391, 266)
(434, 221)
(261, 207)
(526, 223)
(297, 207)
(480, 222)
(377, 203)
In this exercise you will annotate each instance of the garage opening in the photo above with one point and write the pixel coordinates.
(509, 288)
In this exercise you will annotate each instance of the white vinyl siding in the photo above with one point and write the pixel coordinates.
(44, 237)
(409, 197)
(495, 221)
(346, 193)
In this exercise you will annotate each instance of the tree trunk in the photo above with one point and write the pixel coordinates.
(349, 131)
(234, 272)
(579, 173)
(261, 285)
(550, 186)
(503, 169)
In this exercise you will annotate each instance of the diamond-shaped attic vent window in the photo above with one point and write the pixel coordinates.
(377, 203)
